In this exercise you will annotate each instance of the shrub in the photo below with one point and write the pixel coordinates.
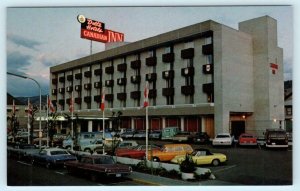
(187, 165)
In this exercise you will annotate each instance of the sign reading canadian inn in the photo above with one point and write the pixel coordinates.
(95, 30)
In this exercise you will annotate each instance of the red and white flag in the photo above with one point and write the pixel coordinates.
(29, 111)
(51, 106)
(71, 106)
(102, 105)
(146, 93)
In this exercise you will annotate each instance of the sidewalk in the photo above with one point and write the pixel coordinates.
(152, 180)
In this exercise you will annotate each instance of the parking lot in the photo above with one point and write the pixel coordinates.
(250, 165)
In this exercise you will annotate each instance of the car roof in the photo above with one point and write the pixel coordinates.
(201, 149)
(247, 134)
(174, 145)
(96, 156)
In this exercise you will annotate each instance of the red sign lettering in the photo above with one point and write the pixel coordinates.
(95, 30)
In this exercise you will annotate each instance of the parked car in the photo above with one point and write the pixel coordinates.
(168, 133)
(94, 146)
(183, 136)
(223, 139)
(22, 136)
(98, 166)
(202, 138)
(169, 151)
(156, 134)
(22, 151)
(127, 144)
(140, 135)
(246, 139)
(202, 157)
(137, 152)
(121, 145)
(276, 138)
(127, 134)
(52, 157)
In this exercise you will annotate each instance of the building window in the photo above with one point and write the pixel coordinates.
(289, 111)
(209, 59)
(189, 44)
(151, 53)
(168, 49)
(208, 40)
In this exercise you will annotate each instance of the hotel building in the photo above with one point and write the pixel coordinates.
(205, 77)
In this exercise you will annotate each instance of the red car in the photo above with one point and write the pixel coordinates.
(137, 152)
(247, 139)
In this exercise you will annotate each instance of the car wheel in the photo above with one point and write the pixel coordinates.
(48, 165)
(88, 150)
(94, 177)
(156, 159)
(215, 162)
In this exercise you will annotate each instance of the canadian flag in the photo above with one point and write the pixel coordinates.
(51, 106)
(71, 106)
(29, 112)
(146, 92)
(102, 105)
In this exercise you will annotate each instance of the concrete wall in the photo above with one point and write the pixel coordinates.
(268, 87)
(233, 75)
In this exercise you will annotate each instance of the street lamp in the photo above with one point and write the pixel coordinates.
(40, 124)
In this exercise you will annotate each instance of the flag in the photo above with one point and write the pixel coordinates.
(29, 112)
(13, 107)
(102, 105)
(71, 106)
(146, 93)
(51, 106)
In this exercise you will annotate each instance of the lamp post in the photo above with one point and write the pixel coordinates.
(40, 123)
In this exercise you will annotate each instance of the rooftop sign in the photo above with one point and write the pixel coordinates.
(95, 30)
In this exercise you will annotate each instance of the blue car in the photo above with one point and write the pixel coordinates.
(52, 157)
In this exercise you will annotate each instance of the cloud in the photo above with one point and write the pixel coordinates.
(22, 41)
(17, 61)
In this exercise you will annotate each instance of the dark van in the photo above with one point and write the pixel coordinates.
(276, 138)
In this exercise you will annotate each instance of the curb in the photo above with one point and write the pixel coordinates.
(145, 182)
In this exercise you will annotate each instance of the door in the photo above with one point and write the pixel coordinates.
(237, 128)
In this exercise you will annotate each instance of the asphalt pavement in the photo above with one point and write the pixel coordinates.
(153, 180)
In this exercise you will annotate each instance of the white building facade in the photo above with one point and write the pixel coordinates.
(202, 78)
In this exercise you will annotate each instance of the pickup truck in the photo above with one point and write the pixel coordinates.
(94, 146)
(96, 166)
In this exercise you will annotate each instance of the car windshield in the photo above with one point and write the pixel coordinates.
(247, 136)
(223, 136)
(104, 160)
(59, 153)
(183, 133)
(275, 134)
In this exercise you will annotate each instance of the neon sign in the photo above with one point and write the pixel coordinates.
(95, 30)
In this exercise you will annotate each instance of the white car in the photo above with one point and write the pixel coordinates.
(223, 139)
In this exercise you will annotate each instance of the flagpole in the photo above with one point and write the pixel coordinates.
(103, 135)
(147, 127)
(72, 129)
(47, 121)
(102, 106)
(146, 104)
(28, 122)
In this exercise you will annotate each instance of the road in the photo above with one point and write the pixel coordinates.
(20, 173)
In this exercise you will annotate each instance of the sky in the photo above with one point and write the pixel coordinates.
(40, 37)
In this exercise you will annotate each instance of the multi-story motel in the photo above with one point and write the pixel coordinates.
(205, 77)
